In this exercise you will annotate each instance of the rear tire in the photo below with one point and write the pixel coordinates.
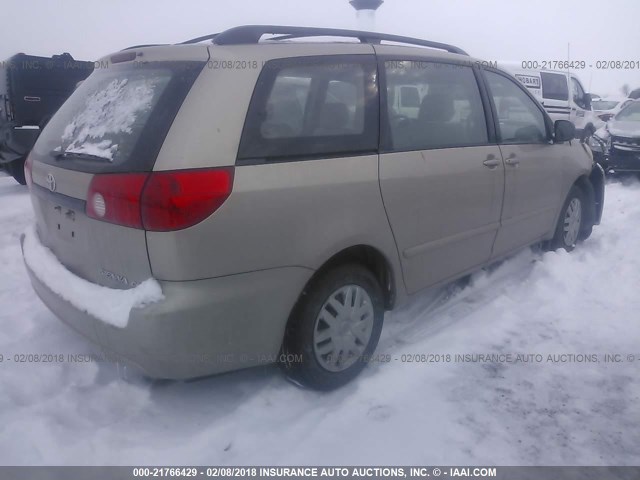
(571, 228)
(334, 329)
(16, 170)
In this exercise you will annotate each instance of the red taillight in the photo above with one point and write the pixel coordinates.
(159, 201)
(115, 198)
(28, 165)
(179, 199)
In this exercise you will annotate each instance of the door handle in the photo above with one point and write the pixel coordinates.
(491, 162)
(512, 160)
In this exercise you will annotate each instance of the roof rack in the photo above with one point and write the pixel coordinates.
(250, 34)
(200, 39)
(143, 46)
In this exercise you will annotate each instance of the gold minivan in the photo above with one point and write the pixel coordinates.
(234, 201)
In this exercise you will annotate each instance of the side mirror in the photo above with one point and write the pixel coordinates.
(564, 131)
(587, 101)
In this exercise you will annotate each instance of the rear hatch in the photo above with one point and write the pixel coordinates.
(109, 132)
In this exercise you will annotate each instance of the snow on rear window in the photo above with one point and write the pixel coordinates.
(108, 113)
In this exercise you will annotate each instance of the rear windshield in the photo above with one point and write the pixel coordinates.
(554, 86)
(118, 118)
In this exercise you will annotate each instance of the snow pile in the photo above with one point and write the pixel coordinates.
(566, 411)
(107, 304)
(108, 112)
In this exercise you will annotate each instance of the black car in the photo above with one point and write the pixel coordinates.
(32, 88)
(616, 146)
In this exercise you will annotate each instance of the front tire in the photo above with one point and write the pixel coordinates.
(334, 328)
(571, 227)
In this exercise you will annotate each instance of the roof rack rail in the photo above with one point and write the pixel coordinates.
(200, 39)
(249, 34)
(143, 46)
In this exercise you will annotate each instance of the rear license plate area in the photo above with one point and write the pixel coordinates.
(62, 223)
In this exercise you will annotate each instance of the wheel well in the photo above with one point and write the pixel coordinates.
(370, 258)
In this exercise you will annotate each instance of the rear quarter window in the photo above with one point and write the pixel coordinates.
(310, 107)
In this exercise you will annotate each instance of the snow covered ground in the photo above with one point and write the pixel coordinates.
(581, 305)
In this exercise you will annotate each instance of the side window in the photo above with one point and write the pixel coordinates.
(433, 105)
(342, 110)
(520, 119)
(554, 86)
(578, 93)
(285, 106)
(312, 106)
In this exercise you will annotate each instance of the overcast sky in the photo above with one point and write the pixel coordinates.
(490, 29)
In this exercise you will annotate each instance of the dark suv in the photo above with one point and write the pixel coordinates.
(31, 90)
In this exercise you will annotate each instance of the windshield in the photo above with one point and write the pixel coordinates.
(631, 113)
(604, 104)
(117, 119)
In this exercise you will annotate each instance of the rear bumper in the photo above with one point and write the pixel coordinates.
(201, 328)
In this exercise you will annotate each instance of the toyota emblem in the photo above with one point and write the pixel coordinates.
(51, 182)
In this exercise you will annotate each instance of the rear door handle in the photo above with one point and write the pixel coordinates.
(512, 160)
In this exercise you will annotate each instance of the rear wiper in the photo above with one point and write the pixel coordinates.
(58, 155)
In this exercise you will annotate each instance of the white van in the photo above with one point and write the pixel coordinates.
(404, 100)
(562, 96)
